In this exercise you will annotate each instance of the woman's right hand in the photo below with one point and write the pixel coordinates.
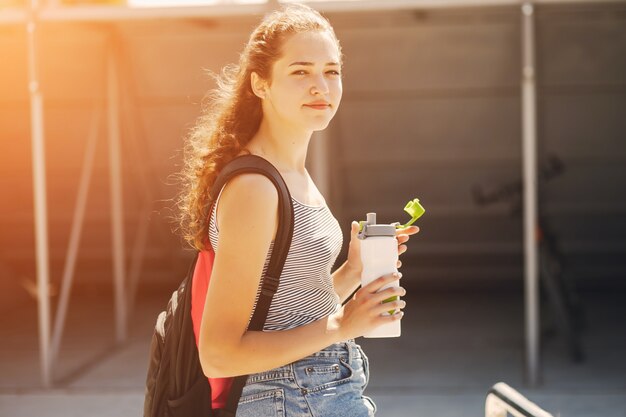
(363, 313)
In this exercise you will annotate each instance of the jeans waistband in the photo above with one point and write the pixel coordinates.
(347, 349)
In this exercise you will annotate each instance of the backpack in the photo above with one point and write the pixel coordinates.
(175, 383)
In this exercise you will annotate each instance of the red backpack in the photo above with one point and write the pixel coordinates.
(175, 384)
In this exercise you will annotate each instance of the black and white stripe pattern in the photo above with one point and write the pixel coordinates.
(306, 291)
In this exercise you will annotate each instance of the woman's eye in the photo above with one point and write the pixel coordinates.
(303, 72)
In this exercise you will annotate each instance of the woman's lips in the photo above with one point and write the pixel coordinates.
(318, 106)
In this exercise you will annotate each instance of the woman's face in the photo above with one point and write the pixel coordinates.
(305, 89)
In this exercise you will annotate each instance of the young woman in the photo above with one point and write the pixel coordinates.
(287, 85)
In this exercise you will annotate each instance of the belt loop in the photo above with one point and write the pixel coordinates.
(350, 354)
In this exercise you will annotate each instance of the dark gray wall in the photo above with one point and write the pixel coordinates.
(432, 108)
(582, 57)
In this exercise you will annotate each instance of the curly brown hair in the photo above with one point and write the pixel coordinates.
(232, 115)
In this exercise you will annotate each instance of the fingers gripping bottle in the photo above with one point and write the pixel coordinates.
(379, 255)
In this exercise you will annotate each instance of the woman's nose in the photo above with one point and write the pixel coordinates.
(320, 87)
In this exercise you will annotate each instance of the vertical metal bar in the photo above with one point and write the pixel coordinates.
(117, 215)
(40, 198)
(75, 234)
(139, 250)
(529, 151)
(129, 119)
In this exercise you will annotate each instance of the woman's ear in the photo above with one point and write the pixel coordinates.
(258, 85)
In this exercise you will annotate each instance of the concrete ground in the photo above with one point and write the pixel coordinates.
(454, 347)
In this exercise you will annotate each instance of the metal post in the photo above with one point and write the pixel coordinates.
(139, 250)
(117, 215)
(75, 235)
(529, 152)
(40, 198)
(129, 119)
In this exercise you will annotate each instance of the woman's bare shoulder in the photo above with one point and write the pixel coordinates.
(247, 198)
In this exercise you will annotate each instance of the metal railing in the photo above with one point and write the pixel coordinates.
(503, 400)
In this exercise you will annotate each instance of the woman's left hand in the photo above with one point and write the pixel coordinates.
(354, 249)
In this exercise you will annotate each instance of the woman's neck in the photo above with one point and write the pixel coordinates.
(283, 147)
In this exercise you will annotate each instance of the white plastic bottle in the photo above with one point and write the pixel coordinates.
(379, 255)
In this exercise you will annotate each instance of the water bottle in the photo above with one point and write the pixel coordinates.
(379, 255)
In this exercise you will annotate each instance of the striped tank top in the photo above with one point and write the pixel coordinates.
(306, 292)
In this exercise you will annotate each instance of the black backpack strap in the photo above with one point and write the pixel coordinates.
(282, 242)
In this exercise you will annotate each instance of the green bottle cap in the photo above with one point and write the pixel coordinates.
(415, 210)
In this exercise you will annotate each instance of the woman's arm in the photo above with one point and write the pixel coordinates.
(247, 218)
(346, 280)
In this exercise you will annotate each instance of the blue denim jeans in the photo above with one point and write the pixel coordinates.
(325, 384)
